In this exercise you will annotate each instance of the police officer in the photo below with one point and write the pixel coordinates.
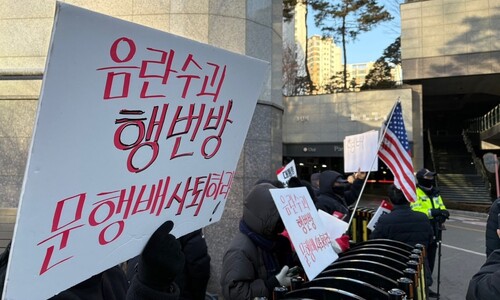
(429, 202)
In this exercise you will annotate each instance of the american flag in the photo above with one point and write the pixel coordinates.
(395, 153)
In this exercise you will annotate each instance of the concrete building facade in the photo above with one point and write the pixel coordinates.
(452, 48)
(314, 127)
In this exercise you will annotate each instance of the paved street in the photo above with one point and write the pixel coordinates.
(462, 250)
(463, 253)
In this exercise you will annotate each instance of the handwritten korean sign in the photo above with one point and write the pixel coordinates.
(134, 127)
(285, 173)
(360, 152)
(309, 236)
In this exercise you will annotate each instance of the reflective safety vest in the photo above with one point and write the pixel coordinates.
(424, 204)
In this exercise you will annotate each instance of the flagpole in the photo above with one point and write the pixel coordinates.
(373, 162)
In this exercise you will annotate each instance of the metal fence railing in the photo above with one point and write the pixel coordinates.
(485, 122)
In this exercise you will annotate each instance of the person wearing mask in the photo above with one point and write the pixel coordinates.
(337, 193)
(492, 233)
(259, 257)
(430, 203)
(404, 225)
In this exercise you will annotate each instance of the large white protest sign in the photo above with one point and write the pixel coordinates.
(308, 235)
(134, 127)
(285, 173)
(360, 152)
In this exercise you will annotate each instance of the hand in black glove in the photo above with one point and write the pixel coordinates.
(161, 260)
(435, 212)
(445, 213)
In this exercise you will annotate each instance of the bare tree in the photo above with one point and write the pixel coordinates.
(290, 69)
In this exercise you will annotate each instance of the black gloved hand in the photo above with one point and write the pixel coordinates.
(161, 260)
(445, 213)
(435, 212)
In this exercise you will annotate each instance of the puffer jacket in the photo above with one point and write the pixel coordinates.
(404, 225)
(329, 201)
(485, 284)
(244, 275)
(194, 280)
(492, 239)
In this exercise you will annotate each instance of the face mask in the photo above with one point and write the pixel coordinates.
(339, 188)
(428, 183)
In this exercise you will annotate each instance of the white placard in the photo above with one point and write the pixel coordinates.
(284, 174)
(308, 235)
(360, 152)
(334, 226)
(384, 208)
(134, 127)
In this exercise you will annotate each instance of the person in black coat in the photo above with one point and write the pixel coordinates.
(193, 280)
(337, 193)
(485, 284)
(492, 233)
(158, 264)
(404, 225)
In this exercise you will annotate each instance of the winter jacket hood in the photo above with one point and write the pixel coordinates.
(326, 180)
(260, 212)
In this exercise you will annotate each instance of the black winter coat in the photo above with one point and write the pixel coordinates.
(194, 280)
(112, 285)
(492, 239)
(404, 225)
(485, 284)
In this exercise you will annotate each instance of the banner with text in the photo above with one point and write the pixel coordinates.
(308, 235)
(360, 152)
(134, 127)
(285, 173)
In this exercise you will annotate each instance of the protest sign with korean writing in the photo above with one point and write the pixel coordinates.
(308, 235)
(360, 152)
(134, 127)
(285, 173)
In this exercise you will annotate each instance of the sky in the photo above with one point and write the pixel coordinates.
(369, 46)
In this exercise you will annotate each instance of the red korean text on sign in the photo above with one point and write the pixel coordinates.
(195, 77)
(196, 119)
(306, 222)
(146, 137)
(59, 241)
(294, 204)
(108, 210)
(313, 245)
(120, 74)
